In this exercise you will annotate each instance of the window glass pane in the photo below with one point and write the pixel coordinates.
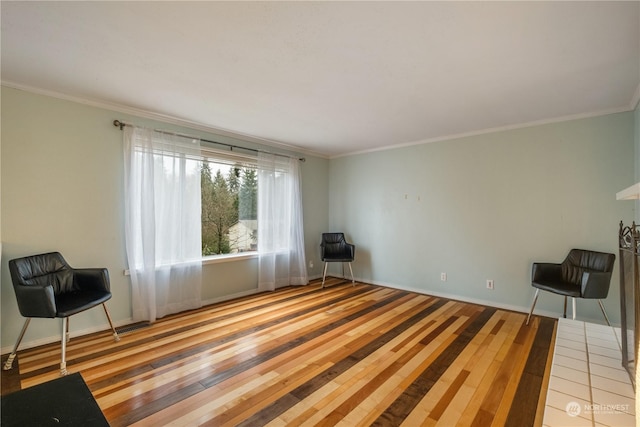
(229, 207)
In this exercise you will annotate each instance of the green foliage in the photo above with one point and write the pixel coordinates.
(225, 200)
(248, 208)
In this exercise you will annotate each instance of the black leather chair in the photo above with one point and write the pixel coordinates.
(583, 274)
(47, 287)
(334, 248)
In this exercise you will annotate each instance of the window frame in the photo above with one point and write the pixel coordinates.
(232, 158)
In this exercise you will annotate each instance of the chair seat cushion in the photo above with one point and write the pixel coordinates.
(559, 287)
(74, 302)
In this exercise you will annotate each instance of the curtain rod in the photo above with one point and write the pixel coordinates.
(121, 125)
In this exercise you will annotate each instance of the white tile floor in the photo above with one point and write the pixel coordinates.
(588, 385)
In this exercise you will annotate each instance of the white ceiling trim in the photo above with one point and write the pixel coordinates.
(161, 118)
(275, 144)
(492, 130)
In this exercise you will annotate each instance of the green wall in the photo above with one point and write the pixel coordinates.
(62, 190)
(486, 207)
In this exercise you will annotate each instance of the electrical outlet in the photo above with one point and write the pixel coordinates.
(443, 277)
(490, 284)
(310, 264)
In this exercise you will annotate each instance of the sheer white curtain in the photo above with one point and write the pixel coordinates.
(162, 222)
(280, 228)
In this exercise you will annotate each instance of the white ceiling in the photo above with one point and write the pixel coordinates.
(332, 77)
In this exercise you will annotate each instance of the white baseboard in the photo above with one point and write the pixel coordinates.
(229, 297)
(462, 298)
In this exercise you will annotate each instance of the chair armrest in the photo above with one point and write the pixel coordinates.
(92, 278)
(595, 284)
(36, 300)
(352, 250)
(545, 271)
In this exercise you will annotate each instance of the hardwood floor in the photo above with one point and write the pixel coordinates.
(343, 355)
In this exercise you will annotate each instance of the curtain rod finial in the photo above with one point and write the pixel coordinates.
(118, 123)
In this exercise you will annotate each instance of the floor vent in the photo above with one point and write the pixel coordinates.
(132, 327)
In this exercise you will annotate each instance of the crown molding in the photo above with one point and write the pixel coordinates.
(490, 130)
(284, 146)
(125, 109)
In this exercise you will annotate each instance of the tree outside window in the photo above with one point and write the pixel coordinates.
(229, 208)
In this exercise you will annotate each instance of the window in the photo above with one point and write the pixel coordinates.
(187, 212)
(229, 195)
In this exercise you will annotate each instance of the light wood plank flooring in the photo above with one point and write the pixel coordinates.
(343, 355)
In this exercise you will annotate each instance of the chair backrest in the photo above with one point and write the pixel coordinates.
(581, 260)
(334, 245)
(42, 270)
(332, 238)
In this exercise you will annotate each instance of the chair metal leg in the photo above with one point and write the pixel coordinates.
(63, 362)
(324, 273)
(116, 338)
(352, 279)
(67, 336)
(535, 299)
(604, 312)
(565, 308)
(9, 363)
(573, 307)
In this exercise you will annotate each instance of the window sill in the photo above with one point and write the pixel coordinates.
(217, 259)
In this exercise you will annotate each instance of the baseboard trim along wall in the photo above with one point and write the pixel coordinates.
(489, 303)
